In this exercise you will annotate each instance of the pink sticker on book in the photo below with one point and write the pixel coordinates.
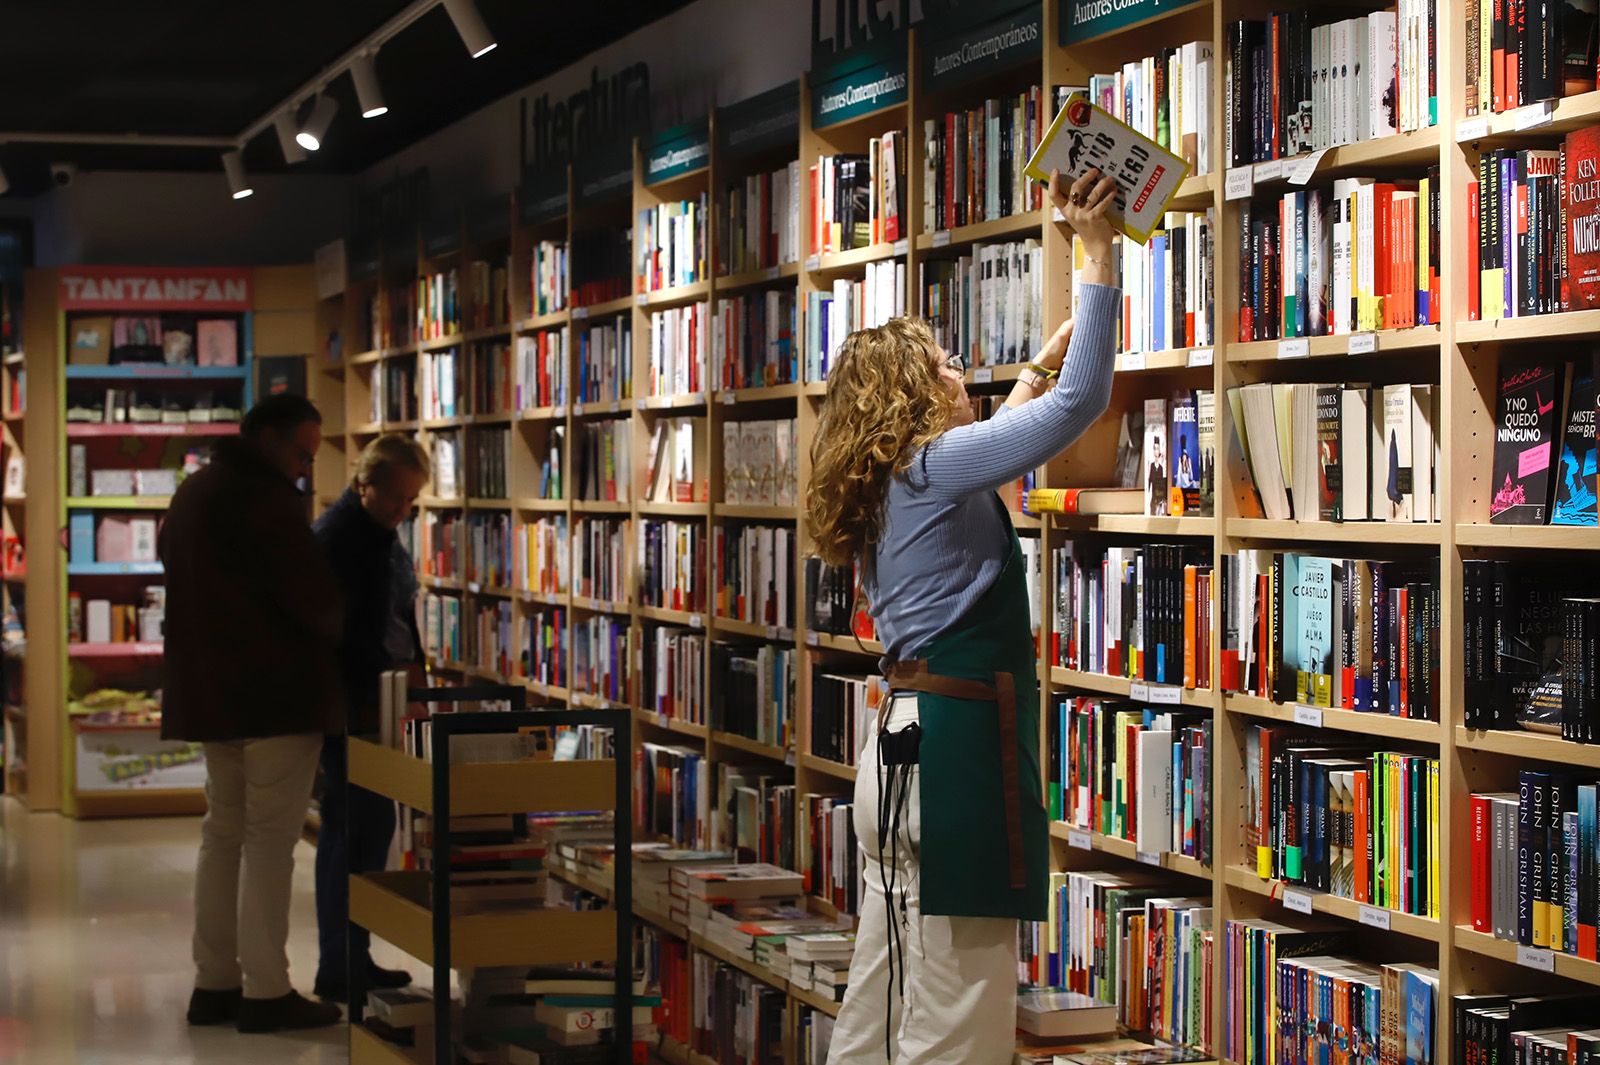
(1534, 459)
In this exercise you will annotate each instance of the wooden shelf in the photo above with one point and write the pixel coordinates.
(756, 747)
(1530, 537)
(1366, 723)
(814, 1000)
(1349, 532)
(483, 503)
(1239, 876)
(1197, 358)
(762, 394)
(1128, 850)
(369, 1049)
(600, 606)
(1124, 686)
(728, 283)
(855, 258)
(528, 595)
(1565, 965)
(441, 502)
(1028, 222)
(758, 629)
(140, 802)
(677, 295)
(394, 906)
(1422, 341)
(602, 506)
(834, 642)
(600, 408)
(484, 787)
(550, 506)
(152, 649)
(1414, 149)
(685, 618)
(678, 401)
(77, 430)
(113, 569)
(1133, 524)
(1565, 115)
(826, 766)
(755, 511)
(675, 510)
(1535, 746)
(1535, 329)
(445, 584)
(602, 309)
(552, 320)
(441, 343)
(672, 724)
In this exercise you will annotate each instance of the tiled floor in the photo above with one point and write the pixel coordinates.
(95, 919)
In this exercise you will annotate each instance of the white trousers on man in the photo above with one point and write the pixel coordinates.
(256, 797)
(959, 973)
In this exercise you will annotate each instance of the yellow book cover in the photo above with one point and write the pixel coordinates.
(1433, 838)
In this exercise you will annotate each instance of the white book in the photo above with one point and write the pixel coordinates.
(1156, 474)
(1396, 483)
(1422, 486)
(1338, 49)
(1265, 455)
(1360, 123)
(1305, 489)
(1380, 102)
(1152, 830)
(1204, 72)
(1355, 460)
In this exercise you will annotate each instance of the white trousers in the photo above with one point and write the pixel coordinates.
(256, 797)
(959, 973)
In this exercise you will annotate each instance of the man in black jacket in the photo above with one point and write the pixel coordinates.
(253, 617)
(380, 633)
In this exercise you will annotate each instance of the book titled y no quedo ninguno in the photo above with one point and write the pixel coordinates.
(1528, 406)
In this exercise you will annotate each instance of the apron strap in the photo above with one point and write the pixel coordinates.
(914, 675)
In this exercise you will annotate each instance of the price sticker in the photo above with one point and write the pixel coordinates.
(640, 404)
(1533, 116)
(1165, 695)
(813, 262)
(1147, 857)
(1308, 715)
(1139, 691)
(1271, 170)
(941, 238)
(1537, 958)
(1302, 169)
(1298, 901)
(527, 595)
(1079, 838)
(474, 587)
(773, 273)
(1473, 129)
(728, 399)
(580, 313)
(1132, 361)
(1200, 357)
(641, 300)
(1375, 917)
(696, 621)
(983, 375)
(812, 640)
(1298, 348)
(902, 246)
(1239, 183)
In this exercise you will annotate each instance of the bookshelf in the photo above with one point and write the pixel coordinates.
(1458, 355)
(13, 561)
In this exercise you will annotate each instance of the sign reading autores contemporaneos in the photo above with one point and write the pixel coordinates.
(154, 288)
(677, 151)
(1083, 19)
(954, 56)
(764, 121)
(858, 58)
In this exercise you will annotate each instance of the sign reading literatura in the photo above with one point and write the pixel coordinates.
(677, 151)
(1083, 19)
(958, 56)
(606, 110)
(154, 288)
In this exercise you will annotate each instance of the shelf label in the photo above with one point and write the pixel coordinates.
(1533, 116)
(640, 404)
(983, 375)
(902, 246)
(558, 411)
(1056, 215)
(1363, 343)
(1297, 348)
(788, 758)
(1165, 695)
(1132, 361)
(580, 313)
(474, 587)
(1375, 917)
(1139, 691)
(1308, 715)
(727, 399)
(1302, 169)
(811, 639)
(813, 262)
(772, 632)
(785, 633)
(1298, 901)
(641, 300)
(1473, 129)
(1079, 838)
(773, 273)
(1147, 857)
(696, 621)
(941, 238)
(1200, 357)
(1239, 182)
(615, 407)
(1537, 958)
(1271, 170)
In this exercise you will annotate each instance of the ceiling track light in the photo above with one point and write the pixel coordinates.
(369, 94)
(469, 24)
(316, 127)
(238, 183)
(283, 126)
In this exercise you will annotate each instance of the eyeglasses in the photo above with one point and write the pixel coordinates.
(957, 363)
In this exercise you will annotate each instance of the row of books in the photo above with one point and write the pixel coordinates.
(1535, 863)
(1140, 612)
(605, 361)
(439, 548)
(130, 406)
(602, 450)
(437, 372)
(541, 370)
(1168, 284)
(673, 671)
(1178, 459)
(843, 707)
(740, 1018)
(753, 340)
(830, 855)
(1540, 400)
(672, 794)
(679, 340)
(859, 200)
(1140, 775)
(1528, 231)
(1328, 812)
(438, 305)
(831, 316)
(548, 271)
(395, 317)
(973, 160)
(602, 262)
(490, 380)
(489, 463)
(449, 464)
(987, 303)
(1521, 55)
(1355, 634)
(441, 627)
(599, 558)
(1364, 256)
(394, 392)
(1166, 97)
(671, 240)
(492, 642)
(552, 464)
(670, 561)
(1524, 1029)
(488, 300)
(676, 464)
(541, 555)
(1286, 991)
(1292, 86)
(1340, 452)
(489, 549)
(752, 691)
(544, 645)
(760, 462)
(832, 605)
(762, 226)
(602, 648)
(752, 573)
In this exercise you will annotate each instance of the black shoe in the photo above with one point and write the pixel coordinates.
(377, 979)
(214, 1007)
(290, 1011)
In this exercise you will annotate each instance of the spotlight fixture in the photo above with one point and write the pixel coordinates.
(469, 24)
(368, 92)
(233, 166)
(316, 127)
(283, 125)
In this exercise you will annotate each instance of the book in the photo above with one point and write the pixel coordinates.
(1581, 239)
(1155, 462)
(1575, 470)
(1187, 461)
(1527, 401)
(1086, 501)
(1064, 1014)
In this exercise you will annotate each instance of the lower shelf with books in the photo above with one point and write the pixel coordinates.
(1534, 745)
(1297, 899)
(1369, 723)
(1085, 839)
(1138, 690)
(1567, 965)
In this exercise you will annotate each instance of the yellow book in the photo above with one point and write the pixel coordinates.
(1433, 838)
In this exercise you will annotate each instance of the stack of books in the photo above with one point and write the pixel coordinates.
(670, 564)
(602, 648)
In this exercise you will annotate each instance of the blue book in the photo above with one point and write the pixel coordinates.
(1313, 601)
(1420, 987)
(1575, 468)
(1156, 299)
(1588, 868)
(1569, 886)
(80, 537)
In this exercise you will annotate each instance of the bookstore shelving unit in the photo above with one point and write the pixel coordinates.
(13, 566)
(1459, 356)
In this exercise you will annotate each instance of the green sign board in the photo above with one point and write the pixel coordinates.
(1083, 19)
(856, 86)
(761, 122)
(543, 196)
(677, 151)
(1009, 41)
(604, 173)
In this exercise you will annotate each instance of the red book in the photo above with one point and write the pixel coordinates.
(950, 170)
(1383, 249)
(1274, 29)
(1581, 185)
(1482, 921)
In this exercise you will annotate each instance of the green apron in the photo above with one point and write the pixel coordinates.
(985, 847)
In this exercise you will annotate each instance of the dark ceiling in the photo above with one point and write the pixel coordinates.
(209, 68)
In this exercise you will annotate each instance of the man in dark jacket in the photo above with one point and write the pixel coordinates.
(253, 619)
(380, 633)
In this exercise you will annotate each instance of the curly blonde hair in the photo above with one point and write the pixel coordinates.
(885, 401)
(388, 452)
